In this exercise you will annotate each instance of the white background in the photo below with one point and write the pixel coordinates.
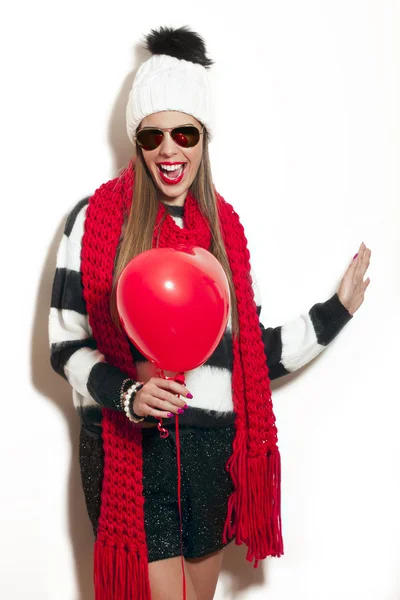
(307, 150)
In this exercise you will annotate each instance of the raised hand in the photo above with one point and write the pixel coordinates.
(352, 287)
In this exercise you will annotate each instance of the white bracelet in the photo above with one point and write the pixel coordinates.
(128, 395)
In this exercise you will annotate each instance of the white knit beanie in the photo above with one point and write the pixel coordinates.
(174, 78)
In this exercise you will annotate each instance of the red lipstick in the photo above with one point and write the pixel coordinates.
(163, 174)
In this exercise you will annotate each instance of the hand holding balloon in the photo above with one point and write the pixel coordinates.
(157, 398)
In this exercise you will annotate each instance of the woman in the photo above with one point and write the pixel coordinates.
(230, 459)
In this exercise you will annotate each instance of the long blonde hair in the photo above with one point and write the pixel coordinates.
(139, 227)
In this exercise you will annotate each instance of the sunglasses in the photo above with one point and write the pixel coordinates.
(185, 136)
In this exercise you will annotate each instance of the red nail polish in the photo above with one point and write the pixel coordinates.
(180, 411)
(355, 256)
(170, 415)
(189, 396)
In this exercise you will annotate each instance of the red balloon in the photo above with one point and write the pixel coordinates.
(174, 305)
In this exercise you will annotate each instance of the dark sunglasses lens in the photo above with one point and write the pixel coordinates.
(187, 137)
(149, 139)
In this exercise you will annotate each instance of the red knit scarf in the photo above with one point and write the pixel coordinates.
(120, 560)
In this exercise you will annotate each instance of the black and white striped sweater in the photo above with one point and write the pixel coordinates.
(95, 383)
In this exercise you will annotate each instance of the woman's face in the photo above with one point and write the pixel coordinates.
(170, 153)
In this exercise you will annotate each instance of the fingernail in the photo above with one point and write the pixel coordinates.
(355, 256)
(180, 411)
(189, 395)
(186, 406)
(170, 415)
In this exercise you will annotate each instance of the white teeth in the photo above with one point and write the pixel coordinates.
(170, 167)
(176, 170)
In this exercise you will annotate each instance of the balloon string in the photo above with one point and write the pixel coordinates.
(178, 458)
(180, 378)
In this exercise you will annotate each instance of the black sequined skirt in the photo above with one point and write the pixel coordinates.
(205, 487)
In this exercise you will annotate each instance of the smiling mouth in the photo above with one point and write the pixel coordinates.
(171, 173)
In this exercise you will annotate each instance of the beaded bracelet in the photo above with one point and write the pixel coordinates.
(124, 388)
(128, 402)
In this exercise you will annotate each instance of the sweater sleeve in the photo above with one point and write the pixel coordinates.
(73, 350)
(292, 345)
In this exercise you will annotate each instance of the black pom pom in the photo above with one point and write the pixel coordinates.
(181, 43)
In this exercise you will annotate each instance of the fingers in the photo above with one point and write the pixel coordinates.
(143, 407)
(159, 398)
(356, 259)
(146, 404)
(171, 387)
(164, 398)
(363, 261)
(158, 414)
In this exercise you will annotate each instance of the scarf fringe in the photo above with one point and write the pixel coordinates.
(254, 507)
(120, 573)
